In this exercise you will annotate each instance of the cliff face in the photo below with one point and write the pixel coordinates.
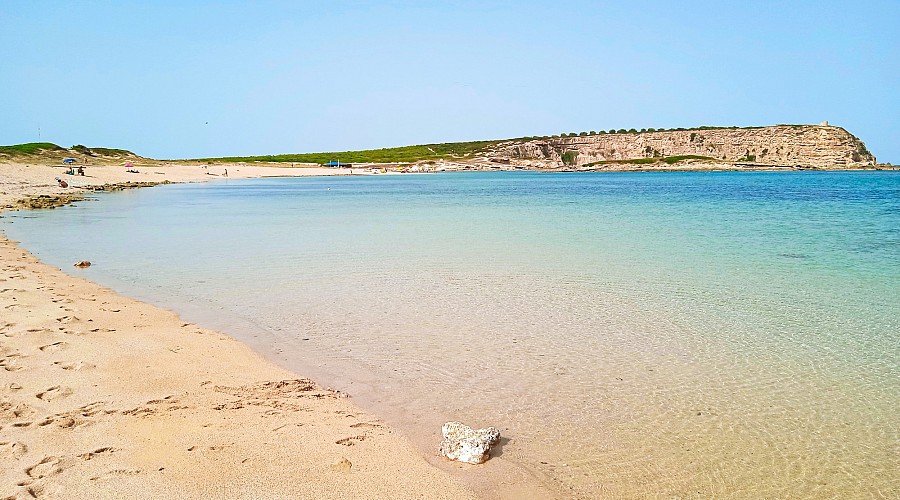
(782, 145)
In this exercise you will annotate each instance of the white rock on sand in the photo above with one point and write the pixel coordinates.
(465, 444)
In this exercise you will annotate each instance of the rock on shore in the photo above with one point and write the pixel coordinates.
(465, 444)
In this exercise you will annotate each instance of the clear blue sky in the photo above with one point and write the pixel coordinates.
(176, 79)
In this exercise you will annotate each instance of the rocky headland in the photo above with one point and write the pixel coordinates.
(792, 146)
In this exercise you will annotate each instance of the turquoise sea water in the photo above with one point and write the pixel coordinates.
(633, 334)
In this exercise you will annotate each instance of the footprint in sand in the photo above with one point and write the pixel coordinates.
(48, 466)
(350, 441)
(95, 330)
(74, 366)
(98, 452)
(6, 333)
(54, 392)
(13, 410)
(113, 474)
(367, 424)
(12, 450)
(32, 490)
(47, 421)
(53, 347)
(10, 362)
(78, 417)
(22, 410)
(91, 409)
(67, 423)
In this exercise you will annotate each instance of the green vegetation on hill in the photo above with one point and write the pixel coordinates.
(30, 148)
(33, 148)
(386, 155)
(101, 151)
(112, 152)
(645, 130)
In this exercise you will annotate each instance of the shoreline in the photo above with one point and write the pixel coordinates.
(105, 395)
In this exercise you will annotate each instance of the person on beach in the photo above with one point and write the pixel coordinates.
(62, 183)
(81, 171)
(226, 173)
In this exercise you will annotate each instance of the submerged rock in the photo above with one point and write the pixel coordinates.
(465, 444)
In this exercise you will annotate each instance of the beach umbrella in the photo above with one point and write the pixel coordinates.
(69, 160)
(129, 164)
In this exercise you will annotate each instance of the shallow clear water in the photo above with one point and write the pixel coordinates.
(633, 334)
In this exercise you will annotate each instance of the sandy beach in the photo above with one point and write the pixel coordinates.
(449, 250)
(102, 396)
(20, 180)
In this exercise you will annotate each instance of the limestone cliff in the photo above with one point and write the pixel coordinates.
(819, 146)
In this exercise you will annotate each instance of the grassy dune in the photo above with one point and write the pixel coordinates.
(385, 155)
(37, 148)
(30, 148)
